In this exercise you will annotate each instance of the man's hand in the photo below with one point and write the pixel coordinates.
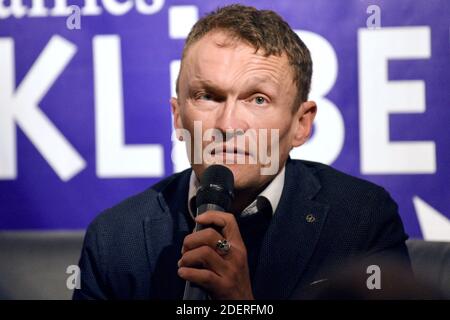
(224, 276)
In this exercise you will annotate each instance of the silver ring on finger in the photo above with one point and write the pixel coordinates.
(223, 246)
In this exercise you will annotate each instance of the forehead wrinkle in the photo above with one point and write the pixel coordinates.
(243, 64)
(257, 74)
(269, 71)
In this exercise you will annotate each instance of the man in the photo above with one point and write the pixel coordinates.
(290, 230)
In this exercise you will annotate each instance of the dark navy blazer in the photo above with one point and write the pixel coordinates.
(323, 219)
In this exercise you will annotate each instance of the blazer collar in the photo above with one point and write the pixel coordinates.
(272, 193)
(292, 235)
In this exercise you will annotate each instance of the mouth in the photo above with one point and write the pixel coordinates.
(225, 150)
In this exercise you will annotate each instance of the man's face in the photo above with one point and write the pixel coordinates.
(225, 85)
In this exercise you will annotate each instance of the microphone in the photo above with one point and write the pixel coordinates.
(215, 193)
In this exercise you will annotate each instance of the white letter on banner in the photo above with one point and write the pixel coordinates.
(117, 8)
(22, 107)
(91, 8)
(61, 9)
(181, 20)
(15, 8)
(143, 7)
(179, 156)
(379, 97)
(328, 138)
(114, 158)
(38, 9)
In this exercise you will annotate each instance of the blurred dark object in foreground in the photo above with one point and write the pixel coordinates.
(33, 266)
(431, 264)
(374, 279)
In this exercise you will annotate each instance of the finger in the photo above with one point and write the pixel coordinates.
(217, 218)
(205, 237)
(226, 221)
(204, 257)
(202, 277)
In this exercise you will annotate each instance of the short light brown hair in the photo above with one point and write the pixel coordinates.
(262, 29)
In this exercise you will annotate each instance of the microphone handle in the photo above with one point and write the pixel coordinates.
(191, 290)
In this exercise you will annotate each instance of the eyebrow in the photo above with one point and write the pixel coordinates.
(201, 83)
(264, 85)
(205, 84)
(254, 81)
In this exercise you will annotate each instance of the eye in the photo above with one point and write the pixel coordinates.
(259, 100)
(204, 96)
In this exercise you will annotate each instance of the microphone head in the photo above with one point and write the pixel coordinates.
(216, 187)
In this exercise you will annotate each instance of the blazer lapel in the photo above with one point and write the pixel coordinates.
(292, 235)
(167, 215)
(165, 227)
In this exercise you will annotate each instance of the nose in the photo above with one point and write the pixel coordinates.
(232, 117)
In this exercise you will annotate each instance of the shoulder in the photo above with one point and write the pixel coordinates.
(358, 207)
(351, 200)
(362, 217)
(129, 213)
(337, 186)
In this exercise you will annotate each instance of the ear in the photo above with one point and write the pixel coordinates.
(177, 123)
(304, 118)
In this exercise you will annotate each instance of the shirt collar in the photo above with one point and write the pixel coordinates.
(272, 193)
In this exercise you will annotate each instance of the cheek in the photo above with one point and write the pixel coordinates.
(190, 114)
(285, 137)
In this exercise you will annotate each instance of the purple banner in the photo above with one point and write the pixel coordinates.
(85, 118)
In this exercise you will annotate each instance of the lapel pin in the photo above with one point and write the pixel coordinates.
(310, 218)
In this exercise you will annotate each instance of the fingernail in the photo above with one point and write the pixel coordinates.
(179, 263)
